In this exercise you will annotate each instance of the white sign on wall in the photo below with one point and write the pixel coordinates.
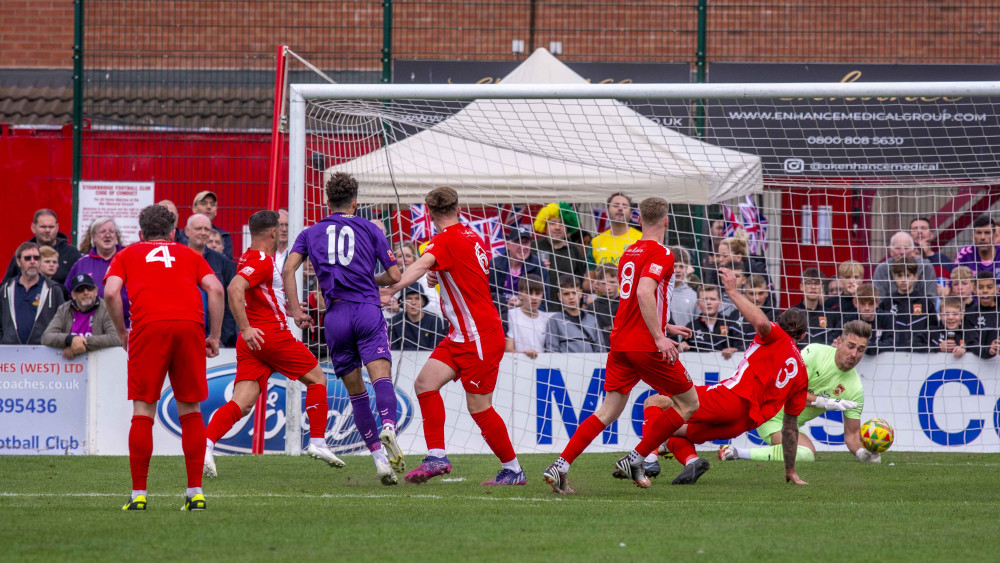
(121, 201)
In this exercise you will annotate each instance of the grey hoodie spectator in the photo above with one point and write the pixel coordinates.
(29, 301)
(83, 324)
(573, 329)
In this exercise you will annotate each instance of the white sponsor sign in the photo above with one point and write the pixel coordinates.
(121, 201)
(43, 402)
(935, 403)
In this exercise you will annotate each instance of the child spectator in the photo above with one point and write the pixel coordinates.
(757, 292)
(558, 255)
(83, 324)
(910, 310)
(949, 336)
(414, 328)
(684, 302)
(573, 329)
(850, 274)
(963, 285)
(982, 319)
(739, 270)
(865, 303)
(712, 330)
(526, 325)
(50, 265)
(824, 325)
(605, 303)
(507, 270)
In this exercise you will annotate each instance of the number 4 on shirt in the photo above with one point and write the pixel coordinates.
(161, 254)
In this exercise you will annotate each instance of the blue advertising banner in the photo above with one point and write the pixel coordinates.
(43, 402)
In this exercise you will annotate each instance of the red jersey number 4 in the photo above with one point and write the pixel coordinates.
(161, 254)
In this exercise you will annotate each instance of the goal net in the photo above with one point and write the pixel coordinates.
(804, 189)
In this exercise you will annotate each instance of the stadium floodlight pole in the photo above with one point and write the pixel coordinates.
(725, 91)
(260, 407)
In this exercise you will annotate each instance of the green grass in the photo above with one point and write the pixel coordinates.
(922, 507)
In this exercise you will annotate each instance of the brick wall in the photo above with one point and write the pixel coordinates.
(242, 34)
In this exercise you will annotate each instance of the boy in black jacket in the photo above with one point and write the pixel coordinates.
(949, 336)
(910, 310)
(712, 329)
(982, 319)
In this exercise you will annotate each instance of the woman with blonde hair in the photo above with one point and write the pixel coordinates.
(102, 242)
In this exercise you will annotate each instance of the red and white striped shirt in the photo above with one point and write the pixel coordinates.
(265, 300)
(463, 267)
(642, 259)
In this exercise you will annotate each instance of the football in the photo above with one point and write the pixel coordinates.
(876, 435)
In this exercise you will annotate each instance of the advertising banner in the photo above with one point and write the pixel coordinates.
(43, 402)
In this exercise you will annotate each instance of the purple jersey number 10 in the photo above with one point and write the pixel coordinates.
(341, 247)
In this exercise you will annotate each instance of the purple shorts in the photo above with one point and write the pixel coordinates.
(356, 334)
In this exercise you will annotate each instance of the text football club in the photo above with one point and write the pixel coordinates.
(341, 434)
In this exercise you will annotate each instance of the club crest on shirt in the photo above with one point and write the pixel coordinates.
(822, 322)
(918, 308)
(723, 329)
(839, 389)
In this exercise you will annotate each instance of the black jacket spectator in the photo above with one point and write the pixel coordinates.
(881, 324)
(227, 243)
(225, 270)
(727, 332)
(569, 259)
(824, 326)
(504, 284)
(21, 321)
(911, 317)
(982, 327)
(68, 255)
(605, 309)
(408, 335)
(840, 305)
(942, 334)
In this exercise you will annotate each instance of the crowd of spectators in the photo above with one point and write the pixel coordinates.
(556, 288)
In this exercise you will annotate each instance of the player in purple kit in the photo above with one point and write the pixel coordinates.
(343, 250)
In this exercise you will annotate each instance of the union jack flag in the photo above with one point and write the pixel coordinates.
(601, 222)
(514, 215)
(755, 225)
(635, 216)
(732, 222)
(491, 230)
(421, 226)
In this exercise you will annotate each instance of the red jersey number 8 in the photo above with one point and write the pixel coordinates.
(627, 280)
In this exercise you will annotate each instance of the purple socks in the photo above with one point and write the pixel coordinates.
(365, 421)
(385, 400)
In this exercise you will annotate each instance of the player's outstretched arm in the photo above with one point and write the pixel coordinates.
(216, 309)
(116, 310)
(237, 290)
(292, 263)
(790, 445)
(645, 292)
(412, 274)
(752, 313)
(388, 277)
(852, 439)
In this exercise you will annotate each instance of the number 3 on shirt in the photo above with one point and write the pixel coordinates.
(161, 254)
(340, 249)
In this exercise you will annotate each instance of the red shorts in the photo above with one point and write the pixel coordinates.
(721, 415)
(625, 369)
(475, 363)
(281, 353)
(161, 347)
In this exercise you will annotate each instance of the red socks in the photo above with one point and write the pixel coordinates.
(193, 444)
(432, 410)
(682, 449)
(658, 429)
(495, 433)
(584, 435)
(223, 420)
(316, 408)
(648, 414)
(140, 449)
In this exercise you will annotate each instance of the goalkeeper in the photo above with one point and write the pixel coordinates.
(834, 385)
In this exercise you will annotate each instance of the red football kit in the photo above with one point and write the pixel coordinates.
(168, 320)
(475, 342)
(770, 377)
(265, 307)
(633, 353)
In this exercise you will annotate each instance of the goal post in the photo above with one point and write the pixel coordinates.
(797, 183)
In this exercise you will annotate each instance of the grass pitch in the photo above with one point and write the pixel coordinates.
(910, 507)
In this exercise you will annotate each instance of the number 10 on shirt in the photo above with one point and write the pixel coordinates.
(341, 245)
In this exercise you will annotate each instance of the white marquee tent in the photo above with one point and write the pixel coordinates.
(540, 151)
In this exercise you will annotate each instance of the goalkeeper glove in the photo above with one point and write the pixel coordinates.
(834, 404)
(865, 456)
